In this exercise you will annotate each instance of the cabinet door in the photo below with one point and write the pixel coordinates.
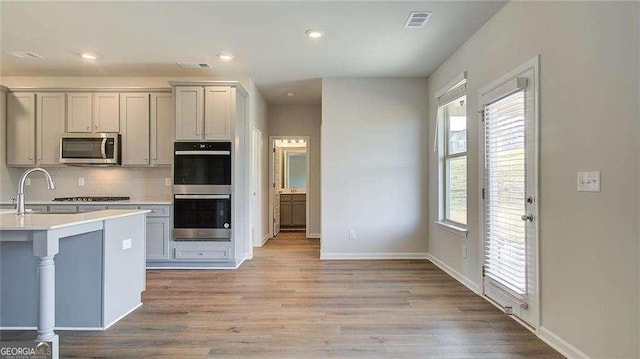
(189, 112)
(106, 115)
(21, 128)
(157, 238)
(285, 213)
(62, 208)
(134, 124)
(50, 115)
(161, 122)
(217, 113)
(79, 112)
(299, 213)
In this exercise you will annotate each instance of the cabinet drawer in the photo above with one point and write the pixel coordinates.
(299, 197)
(156, 210)
(62, 208)
(7, 206)
(221, 254)
(90, 208)
(122, 206)
(36, 208)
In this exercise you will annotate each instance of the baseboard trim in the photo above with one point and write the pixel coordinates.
(313, 235)
(454, 273)
(79, 328)
(561, 345)
(122, 316)
(264, 240)
(369, 256)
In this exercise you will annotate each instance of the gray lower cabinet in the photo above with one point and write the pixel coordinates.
(204, 251)
(293, 210)
(158, 229)
(63, 208)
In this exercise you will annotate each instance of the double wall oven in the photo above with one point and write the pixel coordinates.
(202, 191)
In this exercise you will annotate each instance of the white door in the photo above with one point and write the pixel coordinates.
(277, 173)
(510, 192)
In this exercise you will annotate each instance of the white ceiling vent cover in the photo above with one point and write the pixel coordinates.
(417, 19)
(194, 65)
(25, 55)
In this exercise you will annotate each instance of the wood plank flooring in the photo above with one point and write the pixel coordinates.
(286, 303)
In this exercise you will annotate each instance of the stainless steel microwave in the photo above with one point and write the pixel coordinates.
(90, 148)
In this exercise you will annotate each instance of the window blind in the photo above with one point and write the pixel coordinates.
(505, 192)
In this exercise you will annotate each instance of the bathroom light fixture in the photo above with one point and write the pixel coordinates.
(225, 56)
(89, 56)
(314, 33)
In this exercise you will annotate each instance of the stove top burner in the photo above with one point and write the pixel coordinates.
(91, 199)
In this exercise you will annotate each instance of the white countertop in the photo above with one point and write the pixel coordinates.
(39, 221)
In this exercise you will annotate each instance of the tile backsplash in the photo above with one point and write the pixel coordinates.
(138, 183)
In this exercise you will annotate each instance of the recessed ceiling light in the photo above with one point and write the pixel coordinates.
(89, 56)
(314, 33)
(291, 94)
(25, 55)
(225, 56)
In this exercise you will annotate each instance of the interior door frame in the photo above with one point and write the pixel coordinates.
(272, 143)
(533, 63)
(256, 186)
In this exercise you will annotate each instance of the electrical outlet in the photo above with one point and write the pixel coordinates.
(81, 181)
(27, 181)
(126, 244)
(167, 181)
(465, 252)
(589, 181)
(352, 234)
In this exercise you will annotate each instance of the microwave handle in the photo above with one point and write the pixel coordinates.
(103, 148)
(202, 196)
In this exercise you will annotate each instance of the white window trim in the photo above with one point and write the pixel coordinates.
(459, 229)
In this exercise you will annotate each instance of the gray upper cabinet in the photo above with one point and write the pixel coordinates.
(21, 128)
(93, 112)
(203, 113)
(50, 117)
(189, 112)
(79, 112)
(161, 122)
(105, 112)
(134, 125)
(217, 113)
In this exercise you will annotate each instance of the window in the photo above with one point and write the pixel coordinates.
(452, 148)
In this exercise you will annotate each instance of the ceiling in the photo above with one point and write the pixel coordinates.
(362, 39)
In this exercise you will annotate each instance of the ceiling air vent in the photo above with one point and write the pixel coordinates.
(25, 55)
(194, 65)
(417, 19)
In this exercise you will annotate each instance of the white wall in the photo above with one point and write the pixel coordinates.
(374, 181)
(259, 109)
(302, 120)
(589, 121)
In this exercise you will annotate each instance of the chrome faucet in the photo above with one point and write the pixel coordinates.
(20, 203)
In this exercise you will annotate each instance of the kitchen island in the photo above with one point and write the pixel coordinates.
(78, 271)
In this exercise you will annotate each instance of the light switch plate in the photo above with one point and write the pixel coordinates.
(167, 181)
(589, 181)
(81, 181)
(126, 244)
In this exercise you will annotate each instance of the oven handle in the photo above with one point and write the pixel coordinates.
(203, 153)
(202, 196)
(103, 148)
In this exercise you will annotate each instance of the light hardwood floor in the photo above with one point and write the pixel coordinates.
(286, 303)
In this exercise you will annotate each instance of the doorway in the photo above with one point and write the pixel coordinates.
(509, 214)
(289, 182)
